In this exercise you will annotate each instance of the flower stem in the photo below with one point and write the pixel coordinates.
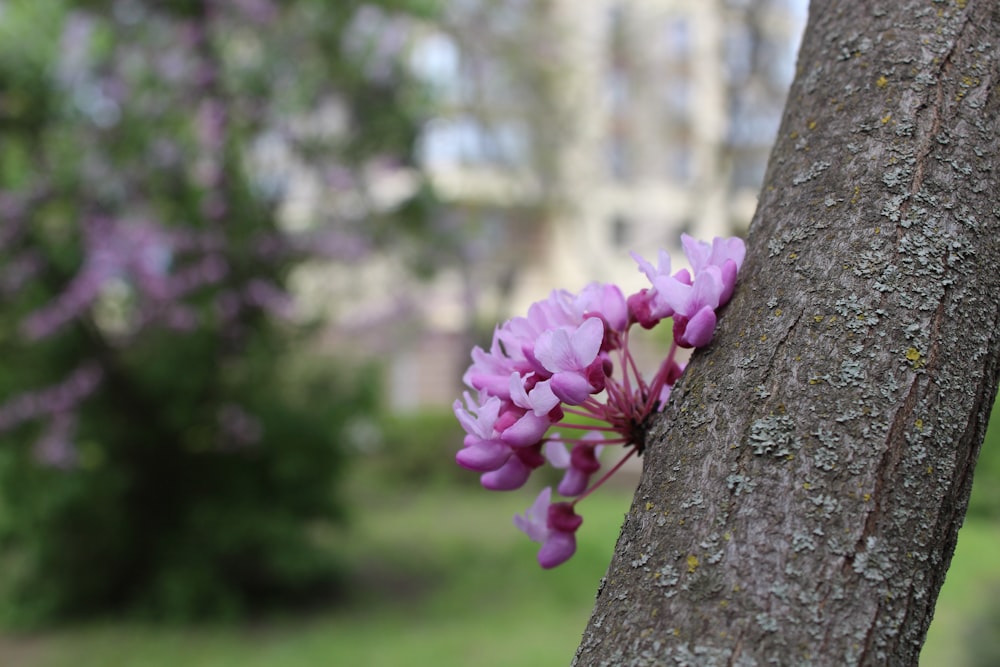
(596, 485)
(660, 379)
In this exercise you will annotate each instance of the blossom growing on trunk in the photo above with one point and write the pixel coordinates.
(571, 357)
(552, 524)
(566, 365)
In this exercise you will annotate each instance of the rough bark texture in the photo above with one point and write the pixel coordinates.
(801, 498)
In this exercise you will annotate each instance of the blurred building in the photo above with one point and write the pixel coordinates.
(664, 111)
(570, 133)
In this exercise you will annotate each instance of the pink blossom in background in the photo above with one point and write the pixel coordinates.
(15, 275)
(260, 12)
(239, 427)
(61, 397)
(55, 448)
(269, 297)
(137, 251)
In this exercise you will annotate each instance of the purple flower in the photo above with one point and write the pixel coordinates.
(644, 306)
(540, 400)
(522, 428)
(640, 308)
(606, 302)
(662, 268)
(138, 252)
(554, 525)
(534, 418)
(515, 472)
(726, 254)
(693, 304)
(534, 523)
(483, 450)
(520, 334)
(572, 358)
(490, 371)
(570, 355)
(580, 463)
(511, 475)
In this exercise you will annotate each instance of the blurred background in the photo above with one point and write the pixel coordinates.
(245, 248)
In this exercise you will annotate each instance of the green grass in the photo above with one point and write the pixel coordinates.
(442, 578)
(972, 583)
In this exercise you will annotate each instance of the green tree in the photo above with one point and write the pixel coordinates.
(156, 452)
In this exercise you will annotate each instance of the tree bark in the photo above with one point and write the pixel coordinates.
(803, 492)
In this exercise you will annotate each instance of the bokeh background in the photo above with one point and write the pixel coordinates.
(245, 248)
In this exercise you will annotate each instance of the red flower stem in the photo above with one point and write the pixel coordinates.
(660, 379)
(624, 355)
(596, 443)
(635, 370)
(605, 476)
(585, 427)
(616, 397)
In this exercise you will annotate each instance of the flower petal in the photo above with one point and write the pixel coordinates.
(541, 398)
(674, 294)
(707, 290)
(697, 252)
(700, 328)
(557, 454)
(724, 250)
(573, 483)
(586, 341)
(557, 549)
(534, 523)
(483, 456)
(526, 431)
(564, 349)
(511, 475)
(571, 388)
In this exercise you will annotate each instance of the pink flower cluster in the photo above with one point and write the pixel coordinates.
(570, 357)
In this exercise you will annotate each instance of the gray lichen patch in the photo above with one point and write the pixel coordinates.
(815, 169)
(774, 436)
(875, 561)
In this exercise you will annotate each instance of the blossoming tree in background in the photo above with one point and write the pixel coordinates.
(154, 452)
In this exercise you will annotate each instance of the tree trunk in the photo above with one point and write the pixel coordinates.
(802, 494)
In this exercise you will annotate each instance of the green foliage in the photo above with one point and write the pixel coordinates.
(985, 500)
(444, 580)
(163, 517)
(419, 449)
(984, 633)
(205, 463)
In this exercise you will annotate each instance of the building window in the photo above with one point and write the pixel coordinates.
(619, 156)
(621, 231)
(677, 39)
(677, 96)
(467, 141)
(436, 60)
(680, 162)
